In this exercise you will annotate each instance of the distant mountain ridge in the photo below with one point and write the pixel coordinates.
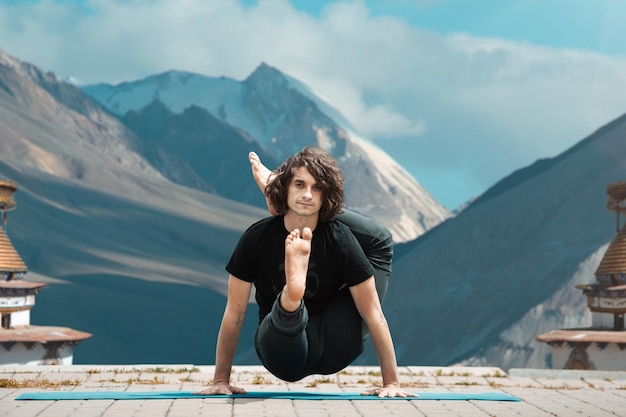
(281, 116)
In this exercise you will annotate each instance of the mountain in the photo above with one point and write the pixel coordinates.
(128, 255)
(184, 112)
(200, 151)
(59, 139)
(485, 283)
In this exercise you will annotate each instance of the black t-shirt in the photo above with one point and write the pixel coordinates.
(336, 260)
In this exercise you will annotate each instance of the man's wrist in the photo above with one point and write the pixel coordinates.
(221, 381)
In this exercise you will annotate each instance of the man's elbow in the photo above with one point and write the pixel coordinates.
(376, 319)
(234, 319)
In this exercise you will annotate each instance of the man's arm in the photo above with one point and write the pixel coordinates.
(228, 336)
(366, 300)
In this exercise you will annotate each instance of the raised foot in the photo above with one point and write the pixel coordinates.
(262, 176)
(260, 172)
(297, 252)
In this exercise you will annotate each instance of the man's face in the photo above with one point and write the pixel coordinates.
(304, 197)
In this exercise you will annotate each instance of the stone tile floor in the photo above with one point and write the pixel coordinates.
(542, 392)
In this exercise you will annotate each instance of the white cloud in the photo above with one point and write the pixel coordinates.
(483, 107)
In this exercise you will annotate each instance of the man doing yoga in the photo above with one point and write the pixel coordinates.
(320, 274)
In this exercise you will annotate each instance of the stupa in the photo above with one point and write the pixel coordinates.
(603, 345)
(20, 342)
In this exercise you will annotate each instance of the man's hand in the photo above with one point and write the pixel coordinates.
(221, 388)
(389, 390)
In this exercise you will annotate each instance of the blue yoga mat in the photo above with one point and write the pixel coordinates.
(286, 395)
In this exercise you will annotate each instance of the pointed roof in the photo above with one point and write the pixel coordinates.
(10, 260)
(614, 261)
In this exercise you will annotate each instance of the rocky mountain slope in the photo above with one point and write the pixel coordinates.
(126, 252)
(485, 283)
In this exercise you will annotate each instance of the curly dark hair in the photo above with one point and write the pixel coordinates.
(323, 168)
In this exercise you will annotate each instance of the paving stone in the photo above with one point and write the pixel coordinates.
(543, 393)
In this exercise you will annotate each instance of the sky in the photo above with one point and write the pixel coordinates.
(460, 92)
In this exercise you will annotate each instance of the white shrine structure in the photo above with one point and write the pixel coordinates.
(603, 345)
(20, 342)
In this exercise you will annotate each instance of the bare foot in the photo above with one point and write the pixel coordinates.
(262, 176)
(297, 251)
(260, 172)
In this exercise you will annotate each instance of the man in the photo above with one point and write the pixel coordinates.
(315, 286)
(375, 240)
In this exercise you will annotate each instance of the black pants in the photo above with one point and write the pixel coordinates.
(293, 345)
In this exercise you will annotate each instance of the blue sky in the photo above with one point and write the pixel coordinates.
(460, 92)
(595, 25)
